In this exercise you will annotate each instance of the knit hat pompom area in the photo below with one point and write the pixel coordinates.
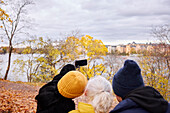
(127, 78)
(72, 84)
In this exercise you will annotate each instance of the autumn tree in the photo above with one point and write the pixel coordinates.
(71, 49)
(51, 56)
(44, 57)
(17, 11)
(132, 51)
(26, 63)
(94, 50)
(113, 63)
(40, 58)
(3, 15)
(155, 65)
(162, 33)
(86, 47)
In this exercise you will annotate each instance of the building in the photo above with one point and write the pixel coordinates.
(121, 48)
(141, 48)
(111, 49)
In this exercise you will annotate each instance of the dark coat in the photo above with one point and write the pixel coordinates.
(143, 100)
(49, 100)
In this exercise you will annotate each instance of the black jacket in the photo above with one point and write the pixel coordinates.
(49, 100)
(143, 100)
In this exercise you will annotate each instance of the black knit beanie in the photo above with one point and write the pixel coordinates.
(127, 78)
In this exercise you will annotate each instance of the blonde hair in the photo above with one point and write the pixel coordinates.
(99, 93)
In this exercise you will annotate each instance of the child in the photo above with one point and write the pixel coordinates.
(57, 97)
(98, 94)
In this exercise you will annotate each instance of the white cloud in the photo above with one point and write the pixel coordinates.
(107, 20)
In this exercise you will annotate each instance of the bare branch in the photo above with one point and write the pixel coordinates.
(162, 33)
(6, 31)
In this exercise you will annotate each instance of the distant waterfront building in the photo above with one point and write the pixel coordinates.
(121, 48)
(161, 48)
(111, 49)
(141, 48)
(130, 48)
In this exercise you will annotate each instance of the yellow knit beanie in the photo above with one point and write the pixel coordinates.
(72, 84)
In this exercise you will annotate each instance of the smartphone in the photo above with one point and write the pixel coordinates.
(79, 63)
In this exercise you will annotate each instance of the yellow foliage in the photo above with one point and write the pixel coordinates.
(94, 49)
(155, 74)
(1, 1)
(72, 49)
(3, 14)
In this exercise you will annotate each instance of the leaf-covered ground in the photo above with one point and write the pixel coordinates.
(17, 97)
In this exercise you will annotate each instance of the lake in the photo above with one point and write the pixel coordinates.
(16, 76)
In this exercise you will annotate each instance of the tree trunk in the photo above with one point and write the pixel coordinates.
(9, 62)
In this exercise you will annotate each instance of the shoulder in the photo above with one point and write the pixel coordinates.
(128, 106)
(168, 110)
(50, 85)
(47, 89)
(74, 111)
(62, 106)
(57, 77)
(83, 108)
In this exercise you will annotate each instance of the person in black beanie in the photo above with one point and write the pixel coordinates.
(49, 100)
(133, 95)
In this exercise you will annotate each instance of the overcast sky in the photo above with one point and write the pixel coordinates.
(112, 21)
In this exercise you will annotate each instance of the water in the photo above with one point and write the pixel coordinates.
(22, 77)
(11, 75)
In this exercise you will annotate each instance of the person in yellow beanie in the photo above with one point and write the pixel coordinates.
(70, 83)
(98, 95)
